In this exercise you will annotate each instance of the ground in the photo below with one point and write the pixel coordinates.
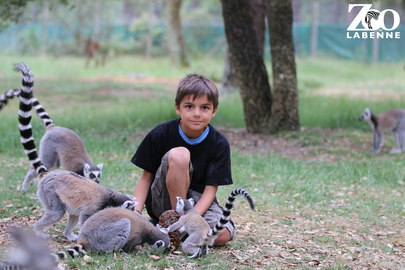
(305, 242)
(295, 242)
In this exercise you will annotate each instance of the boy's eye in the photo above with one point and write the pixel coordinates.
(206, 107)
(188, 106)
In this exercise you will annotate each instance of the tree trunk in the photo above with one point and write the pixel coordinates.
(376, 43)
(229, 82)
(149, 37)
(250, 70)
(258, 13)
(45, 22)
(285, 114)
(97, 20)
(336, 4)
(314, 30)
(177, 47)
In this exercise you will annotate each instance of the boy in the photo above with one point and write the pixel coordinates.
(186, 157)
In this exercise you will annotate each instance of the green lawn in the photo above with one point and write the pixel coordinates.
(322, 198)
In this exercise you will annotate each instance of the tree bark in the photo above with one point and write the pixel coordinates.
(250, 70)
(97, 20)
(229, 82)
(149, 37)
(285, 114)
(314, 30)
(177, 46)
(258, 13)
(45, 21)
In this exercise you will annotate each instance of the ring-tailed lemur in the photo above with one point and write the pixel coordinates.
(112, 229)
(33, 253)
(393, 120)
(201, 236)
(59, 147)
(61, 191)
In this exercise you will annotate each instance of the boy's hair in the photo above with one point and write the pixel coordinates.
(196, 85)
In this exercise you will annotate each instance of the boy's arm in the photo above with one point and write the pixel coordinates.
(142, 189)
(206, 199)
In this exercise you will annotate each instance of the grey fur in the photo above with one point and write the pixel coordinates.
(62, 147)
(191, 222)
(393, 120)
(201, 236)
(63, 191)
(112, 230)
(33, 253)
(59, 147)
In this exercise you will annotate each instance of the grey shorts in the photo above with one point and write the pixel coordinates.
(158, 199)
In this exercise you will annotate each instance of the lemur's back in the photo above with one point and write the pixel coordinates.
(72, 189)
(116, 228)
(62, 145)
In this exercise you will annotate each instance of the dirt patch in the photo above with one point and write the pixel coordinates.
(311, 145)
(356, 93)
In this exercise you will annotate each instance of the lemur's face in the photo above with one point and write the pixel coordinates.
(93, 172)
(366, 115)
(182, 205)
(160, 245)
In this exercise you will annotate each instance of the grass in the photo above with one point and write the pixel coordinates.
(323, 200)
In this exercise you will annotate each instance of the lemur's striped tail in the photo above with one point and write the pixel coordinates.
(45, 118)
(12, 93)
(209, 238)
(24, 117)
(213, 233)
(7, 96)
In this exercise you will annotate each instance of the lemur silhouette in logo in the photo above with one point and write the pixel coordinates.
(371, 15)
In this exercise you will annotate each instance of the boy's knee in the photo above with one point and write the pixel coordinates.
(222, 238)
(179, 157)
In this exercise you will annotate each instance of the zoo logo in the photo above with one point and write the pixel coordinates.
(373, 19)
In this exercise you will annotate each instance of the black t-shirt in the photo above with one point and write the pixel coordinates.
(210, 158)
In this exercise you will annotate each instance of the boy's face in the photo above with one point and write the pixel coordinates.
(195, 115)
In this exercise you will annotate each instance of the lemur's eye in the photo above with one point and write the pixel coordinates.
(92, 175)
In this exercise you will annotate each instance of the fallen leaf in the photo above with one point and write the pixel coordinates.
(311, 232)
(154, 257)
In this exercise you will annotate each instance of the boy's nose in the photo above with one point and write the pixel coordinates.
(197, 112)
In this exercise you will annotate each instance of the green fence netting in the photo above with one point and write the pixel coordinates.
(331, 40)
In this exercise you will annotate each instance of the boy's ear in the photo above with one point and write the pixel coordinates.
(177, 109)
(214, 112)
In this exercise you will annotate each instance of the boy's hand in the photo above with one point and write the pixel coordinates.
(164, 230)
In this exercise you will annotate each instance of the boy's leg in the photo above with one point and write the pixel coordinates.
(172, 177)
(178, 174)
(212, 216)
